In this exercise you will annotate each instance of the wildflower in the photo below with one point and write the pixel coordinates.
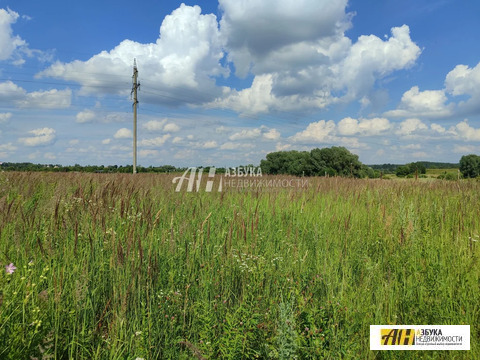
(10, 268)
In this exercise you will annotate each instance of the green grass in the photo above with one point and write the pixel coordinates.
(113, 266)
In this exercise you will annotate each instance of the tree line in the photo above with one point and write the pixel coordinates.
(338, 161)
(333, 161)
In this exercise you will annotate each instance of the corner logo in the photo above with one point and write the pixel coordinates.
(419, 337)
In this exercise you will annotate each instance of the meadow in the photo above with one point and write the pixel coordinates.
(120, 266)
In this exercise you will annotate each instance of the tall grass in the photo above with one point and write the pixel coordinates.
(113, 266)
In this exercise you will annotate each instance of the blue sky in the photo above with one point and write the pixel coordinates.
(226, 82)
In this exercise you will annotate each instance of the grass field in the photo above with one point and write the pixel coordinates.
(112, 266)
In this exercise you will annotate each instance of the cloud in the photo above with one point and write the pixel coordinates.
(85, 116)
(158, 141)
(41, 137)
(180, 65)
(410, 126)
(246, 134)
(209, 144)
(272, 134)
(170, 127)
(428, 103)
(466, 132)
(320, 131)
(155, 125)
(236, 146)
(411, 147)
(221, 130)
(11, 93)
(342, 133)
(8, 147)
(4, 117)
(319, 73)
(49, 99)
(255, 30)
(463, 80)
(282, 147)
(250, 134)
(148, 153)
(437, 128)
(371, 58)
(368, 127)
(8, 42)
(297, 51)
(106, 141)
(177, 140)
(123, 133)
(116, 117)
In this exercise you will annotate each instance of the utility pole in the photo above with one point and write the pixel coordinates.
(135, 87)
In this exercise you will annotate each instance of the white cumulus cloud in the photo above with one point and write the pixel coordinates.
(246, 134)
(180, 64)
(428, 103)
(40, 137)
(8, 42)
(466, 132)
(463, 80)
(85, 116)
(123, 133)
(335, 71)
(375, 126)
(272, 134)
(320, 131)
(171, 127)
(48, 99)
(155, 125)
(157, 141)
(410, 126)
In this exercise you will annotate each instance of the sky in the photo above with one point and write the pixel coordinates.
(225, 82)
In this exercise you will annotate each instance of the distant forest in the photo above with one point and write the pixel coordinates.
(27, 166)
(392, 168)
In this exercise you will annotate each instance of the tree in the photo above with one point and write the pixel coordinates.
(287, 162)
(331, 161)
(411, 169)
(470, 166)
(335, 161)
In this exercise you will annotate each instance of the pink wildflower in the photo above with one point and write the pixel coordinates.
(10, 268)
